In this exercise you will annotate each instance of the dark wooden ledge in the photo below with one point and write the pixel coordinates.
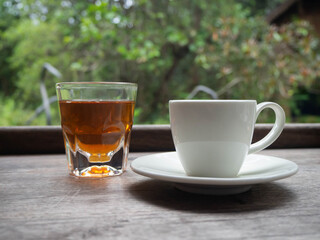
(48, 139)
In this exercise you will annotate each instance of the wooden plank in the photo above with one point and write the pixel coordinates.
(29, 140)
(293, 135)
(48, 139)
(40, 201)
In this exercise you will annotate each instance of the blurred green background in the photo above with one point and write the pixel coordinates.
(167, 47)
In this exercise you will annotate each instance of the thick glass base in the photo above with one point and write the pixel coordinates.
(80, 164)
(97, 172)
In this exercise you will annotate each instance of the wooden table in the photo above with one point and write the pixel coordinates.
(39, 200)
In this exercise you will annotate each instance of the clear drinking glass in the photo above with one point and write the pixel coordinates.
(96, 120)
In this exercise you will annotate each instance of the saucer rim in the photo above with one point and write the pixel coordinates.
(185, 179)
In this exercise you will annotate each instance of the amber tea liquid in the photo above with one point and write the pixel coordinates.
(96, 135)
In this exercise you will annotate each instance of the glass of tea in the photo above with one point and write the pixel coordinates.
(96, 121)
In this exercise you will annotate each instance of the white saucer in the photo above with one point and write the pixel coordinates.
(256, 169)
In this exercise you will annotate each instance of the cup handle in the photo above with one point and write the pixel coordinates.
(276, 129)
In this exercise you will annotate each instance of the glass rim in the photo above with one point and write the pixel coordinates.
(63, 84)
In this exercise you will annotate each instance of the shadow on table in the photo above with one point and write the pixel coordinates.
(260, 197)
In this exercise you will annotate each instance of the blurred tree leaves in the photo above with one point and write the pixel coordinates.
(167, 47)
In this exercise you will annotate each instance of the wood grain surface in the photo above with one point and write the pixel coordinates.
(38, 200)
(48, 139)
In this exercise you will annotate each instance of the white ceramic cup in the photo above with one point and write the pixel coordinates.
(213, 137)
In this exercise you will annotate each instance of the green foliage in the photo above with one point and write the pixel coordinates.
(167, 47)
(14, 113)
(10, 113)
(34, 45)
